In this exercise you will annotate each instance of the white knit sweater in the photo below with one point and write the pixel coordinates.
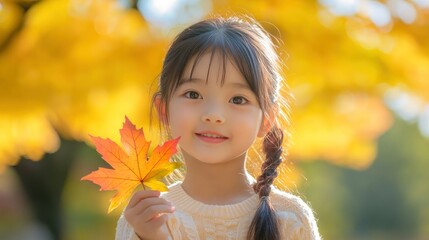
(196, 220)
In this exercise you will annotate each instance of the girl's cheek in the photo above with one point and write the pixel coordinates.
(179, 113)
(180, 121)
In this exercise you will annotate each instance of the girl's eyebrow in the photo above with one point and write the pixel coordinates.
(202, 81)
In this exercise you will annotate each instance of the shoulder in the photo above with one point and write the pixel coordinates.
(295, 215)
(287, 202)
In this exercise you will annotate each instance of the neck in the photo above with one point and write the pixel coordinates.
(223, 183)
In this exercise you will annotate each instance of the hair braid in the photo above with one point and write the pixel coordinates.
(264, 225)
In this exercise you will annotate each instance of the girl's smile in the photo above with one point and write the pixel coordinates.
(211, 137)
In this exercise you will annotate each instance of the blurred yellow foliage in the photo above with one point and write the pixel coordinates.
(9, 19)
(77, 67)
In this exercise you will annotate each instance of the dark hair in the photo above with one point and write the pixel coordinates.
(247, 45)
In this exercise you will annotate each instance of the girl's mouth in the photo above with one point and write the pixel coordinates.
(211, 137)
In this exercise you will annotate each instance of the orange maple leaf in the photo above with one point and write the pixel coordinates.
(131, 164)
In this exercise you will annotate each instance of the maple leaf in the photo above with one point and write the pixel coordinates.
(131, 164)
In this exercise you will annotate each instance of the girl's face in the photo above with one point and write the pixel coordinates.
(217, 122)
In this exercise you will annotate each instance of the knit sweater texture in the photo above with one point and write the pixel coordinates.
(195, 220)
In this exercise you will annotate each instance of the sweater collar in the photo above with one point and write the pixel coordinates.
(186, 203)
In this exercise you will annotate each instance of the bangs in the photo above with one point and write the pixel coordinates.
(219, 53)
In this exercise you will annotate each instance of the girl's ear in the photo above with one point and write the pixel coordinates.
(267, 124)
(161, 109)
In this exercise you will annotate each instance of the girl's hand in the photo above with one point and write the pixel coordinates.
(146, 214)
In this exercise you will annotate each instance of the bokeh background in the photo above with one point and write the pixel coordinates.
(358, 71)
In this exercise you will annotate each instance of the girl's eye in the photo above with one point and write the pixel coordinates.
(192, 95)
(238, 100)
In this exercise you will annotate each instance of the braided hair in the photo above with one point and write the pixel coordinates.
(264, 225)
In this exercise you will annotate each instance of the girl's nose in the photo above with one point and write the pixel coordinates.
(213, 117)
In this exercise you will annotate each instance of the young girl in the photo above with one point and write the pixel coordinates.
(218, 92)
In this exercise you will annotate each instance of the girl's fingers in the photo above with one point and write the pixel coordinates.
(146, 212)
(149, 202)
(140, 195)
(158, 221)
(155, 212)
